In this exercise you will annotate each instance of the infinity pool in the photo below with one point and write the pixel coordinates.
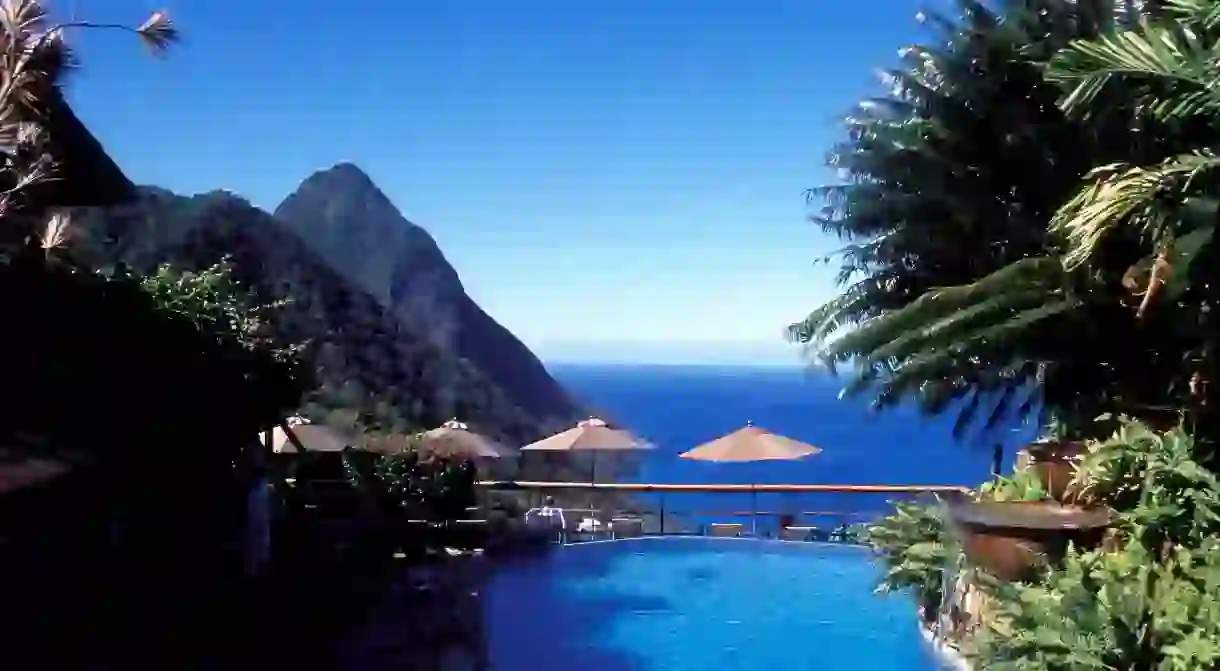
(699, 604)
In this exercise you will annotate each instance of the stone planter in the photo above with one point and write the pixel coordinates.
(1010, 540)
(1054, 462)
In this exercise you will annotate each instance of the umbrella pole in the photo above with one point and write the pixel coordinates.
(592, 480)
(754, 509)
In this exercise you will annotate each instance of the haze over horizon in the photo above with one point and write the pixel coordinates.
(672, 352)
(610, 181)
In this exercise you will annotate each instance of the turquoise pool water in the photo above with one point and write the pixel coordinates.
(699, 604)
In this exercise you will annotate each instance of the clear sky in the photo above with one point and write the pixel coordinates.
(615, 180)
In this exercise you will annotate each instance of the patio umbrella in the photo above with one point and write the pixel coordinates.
(313, 437)
(454, 439)
(748, 444)
(590, 435)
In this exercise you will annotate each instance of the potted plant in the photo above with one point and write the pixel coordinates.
(1159, 418)
(1053, 459)
(1013, 528)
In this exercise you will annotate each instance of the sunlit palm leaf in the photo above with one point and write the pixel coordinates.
(1172, 53)
(1202, 12)
(1116, 195)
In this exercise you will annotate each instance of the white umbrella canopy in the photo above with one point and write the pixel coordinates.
(455, 439)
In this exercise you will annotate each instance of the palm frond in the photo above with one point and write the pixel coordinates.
(996, 340)
(952, 285)
(158, 32)
(938, 305)
(34, 57)
(1171, 53)
(1119, 195)
(1202, 12)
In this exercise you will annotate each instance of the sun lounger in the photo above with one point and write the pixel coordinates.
(725, 530)
(844, 534)
(549, 518)
(795, 533)
(591, 525)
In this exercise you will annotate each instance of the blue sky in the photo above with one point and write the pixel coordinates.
(612, 180)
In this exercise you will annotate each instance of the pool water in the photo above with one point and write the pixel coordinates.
(699, 604)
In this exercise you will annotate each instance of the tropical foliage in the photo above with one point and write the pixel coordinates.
(1109, 610)
(1022, 486)
(411, 485)
(1150, 603)
(914, 546)
(1031, 214)
(992, 262)
(212, 300)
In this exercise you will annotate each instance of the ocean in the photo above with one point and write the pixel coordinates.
(679, 407)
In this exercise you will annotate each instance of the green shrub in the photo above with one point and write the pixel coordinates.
(915, 550)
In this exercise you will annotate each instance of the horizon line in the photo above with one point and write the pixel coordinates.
(709, 364)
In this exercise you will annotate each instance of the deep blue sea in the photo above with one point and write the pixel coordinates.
(679, 407)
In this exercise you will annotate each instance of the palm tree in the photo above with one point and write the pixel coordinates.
(952, 182)
(1161, 209)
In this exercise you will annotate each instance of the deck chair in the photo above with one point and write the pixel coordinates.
(726, 529)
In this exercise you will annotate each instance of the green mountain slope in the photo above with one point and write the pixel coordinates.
(369, 359)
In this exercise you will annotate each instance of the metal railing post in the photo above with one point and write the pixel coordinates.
(662, 507)
(754, 510)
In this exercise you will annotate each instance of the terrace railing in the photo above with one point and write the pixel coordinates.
(826, 512)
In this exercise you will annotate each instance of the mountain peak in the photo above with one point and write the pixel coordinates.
(352, 224)
(344, 218)
(343, 176)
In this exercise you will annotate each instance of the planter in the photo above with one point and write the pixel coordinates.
(1157, 418)
(1054, 462)
(1010, 540)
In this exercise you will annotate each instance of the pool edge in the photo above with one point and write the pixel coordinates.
(949, 657)
(777, 541)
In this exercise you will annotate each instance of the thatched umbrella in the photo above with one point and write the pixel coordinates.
(749, 444)
(455, 440)
(590, 435)
(312, 437)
